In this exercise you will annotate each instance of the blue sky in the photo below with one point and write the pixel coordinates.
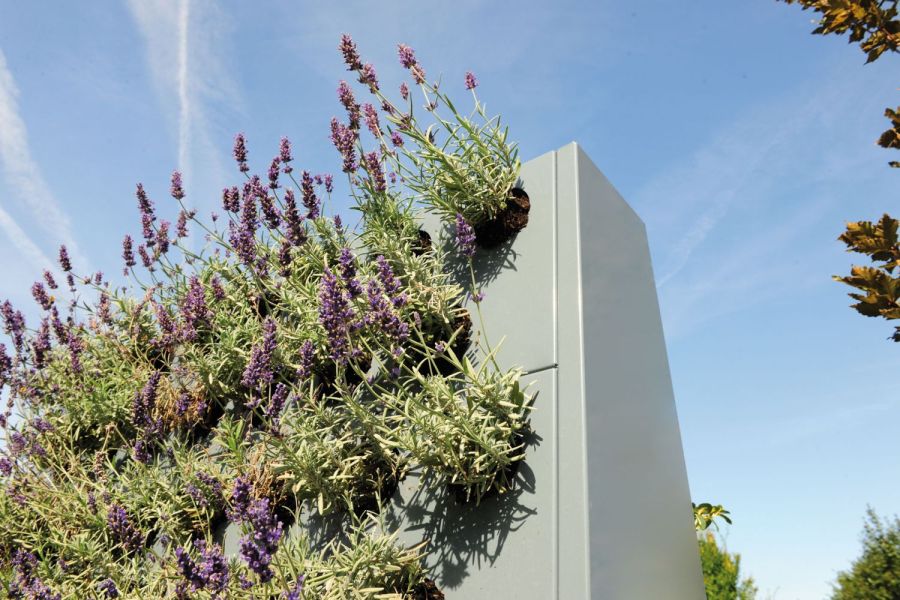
(742, 141)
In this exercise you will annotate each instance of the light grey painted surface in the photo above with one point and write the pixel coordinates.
(602, 508)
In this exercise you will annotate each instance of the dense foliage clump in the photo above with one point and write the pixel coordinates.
(291, 367)
(722, 572)
(875, 575)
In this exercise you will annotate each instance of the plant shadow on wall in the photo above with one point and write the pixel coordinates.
(457, 533)
(230, 425)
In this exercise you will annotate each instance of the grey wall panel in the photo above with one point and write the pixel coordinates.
(601, 508)
(503, 547)
(639, 498)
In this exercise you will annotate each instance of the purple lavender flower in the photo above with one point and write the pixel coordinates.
(218, 291)
(293, 593)
(145, 206)
(344, 139)
(144, 402)
(162, 237)
(478, 296)
(407, 56)
(64, 262)
(146, 259)
(296, 232)
(376, 173)
(26, 583)
(277, 402)
(335, 315)
(329, 183)
(231, 199)
(128, 252)
(193, 309)
(13, 324)
(181, 227)
(381, 313)
(17, 443)
(404, 91)
(177, 190)
(408, 60)
(103, 308)
(6, 466)
(206, 492)
(140, 451)
(307, 356)
(274, 172)
(240, 152)
(258, 372)
(243, 235)
(345, 95)
(351, 56)
(258, 546)
(76, 346)
(471, 82)
(147, 228)
(465, 237)
(396, 139)
(285, 257)
(388, 280)
(241, 495)
(108, 587)
(5, 365)
(367, 76)
(91, 502)
(40, 347)
(347, 267)
(39, 292)
(122, 530)
(310, 200)
(51, 282)
(98, 278)
(371, 115)
(213, 568)
(284, 153)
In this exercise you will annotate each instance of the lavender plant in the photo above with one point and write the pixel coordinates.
(291, 366)
(454, 163)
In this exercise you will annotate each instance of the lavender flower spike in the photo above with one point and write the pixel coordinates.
(471, 82)
(64, 262)
(177, 189)
(259, 373)
(465, 237)
(351, 56)
(240, 152)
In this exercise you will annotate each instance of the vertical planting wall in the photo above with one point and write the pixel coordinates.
(601, 508)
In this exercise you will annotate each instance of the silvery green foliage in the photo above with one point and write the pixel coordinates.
(287, 366)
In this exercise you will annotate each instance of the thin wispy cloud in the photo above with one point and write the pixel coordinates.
(185, 44)
(24, 176)
(22, 242)
(724, 228)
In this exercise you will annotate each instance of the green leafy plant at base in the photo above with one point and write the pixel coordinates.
(721, 572)
(292, 368)
(875, 575)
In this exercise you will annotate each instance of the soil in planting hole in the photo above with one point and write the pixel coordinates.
(427, 590)
(460, 344)
(508, 223)
(368, 499)
(423, 244)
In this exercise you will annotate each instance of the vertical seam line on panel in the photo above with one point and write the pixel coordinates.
(582, 376)
(555, 404)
